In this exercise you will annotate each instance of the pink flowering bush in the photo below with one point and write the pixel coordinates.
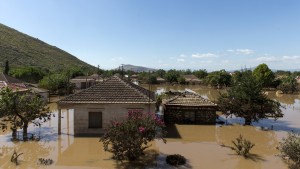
(128, 139)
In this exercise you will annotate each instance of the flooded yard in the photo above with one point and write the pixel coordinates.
(200, 144)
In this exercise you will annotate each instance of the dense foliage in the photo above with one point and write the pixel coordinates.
(288, 84)
(246, 99)
(172, 76)
(6, 68)
(201, 74)
(264, 75)
(28, 74)
(290, 149)
(152, 79)
(219, 79)
(19, 109)
(128, 139)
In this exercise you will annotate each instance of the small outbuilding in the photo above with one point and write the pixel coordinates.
(83, 82)
(160, 80)
(192, 79)
(110, 100)
(189, 108)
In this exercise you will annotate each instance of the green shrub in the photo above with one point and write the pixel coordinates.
(175, 159)
(127, 140)
(290, 149)
(47, 161)
(242, 146)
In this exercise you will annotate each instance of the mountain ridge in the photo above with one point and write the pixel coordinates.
(135, 68)
(21, 49)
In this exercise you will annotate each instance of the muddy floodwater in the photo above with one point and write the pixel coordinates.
(200, 144)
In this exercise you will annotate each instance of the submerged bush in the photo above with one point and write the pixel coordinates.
(47, 161)
(128, 139)
(175, 159)
(290, 150)
(242, 146)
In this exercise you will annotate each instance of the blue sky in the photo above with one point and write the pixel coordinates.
(181, 34)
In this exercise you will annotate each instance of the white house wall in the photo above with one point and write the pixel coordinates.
(110, 112)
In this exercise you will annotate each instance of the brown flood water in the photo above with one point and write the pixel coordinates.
(200, 144)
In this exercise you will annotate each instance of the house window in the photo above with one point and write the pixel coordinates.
(95, 119)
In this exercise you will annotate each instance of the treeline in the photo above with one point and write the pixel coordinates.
(59, 82)
(280, 80)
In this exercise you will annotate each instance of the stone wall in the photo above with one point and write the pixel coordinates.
(178, 116)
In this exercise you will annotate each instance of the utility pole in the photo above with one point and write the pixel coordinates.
(149, 87)
(122, 71)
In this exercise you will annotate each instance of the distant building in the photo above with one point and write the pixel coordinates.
(83, 82)
(12, 83)
(298, 79)
(20, 86)
(39, 91)
(95, 107)
(98, 78)
(192, 79)
(160, 80)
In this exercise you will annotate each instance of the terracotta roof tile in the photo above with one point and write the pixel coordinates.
(9, 79)
(189, 99)
(112, 90)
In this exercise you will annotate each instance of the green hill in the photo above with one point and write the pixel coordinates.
(23, 50)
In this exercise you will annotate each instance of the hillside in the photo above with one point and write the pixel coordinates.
(137, 68)
(23, 50)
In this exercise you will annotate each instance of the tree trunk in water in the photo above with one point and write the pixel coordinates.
(14, 133)
(25, 137)
(248, 120)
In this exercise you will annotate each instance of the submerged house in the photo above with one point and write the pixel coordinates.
(189, 108)
(192, 79)
(160, 80)
(95, 107)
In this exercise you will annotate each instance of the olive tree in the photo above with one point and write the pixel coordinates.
(19, 109)
(246, 99)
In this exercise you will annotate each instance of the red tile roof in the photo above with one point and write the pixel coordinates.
(9, 79)
(112, 90)
(189, 99)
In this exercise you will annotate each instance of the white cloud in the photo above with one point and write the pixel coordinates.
(245, 51)
(241, 51)
(277, 59)
(267, 59)
(180, 60)
(204, 55)
(291, 57)
(183, 56)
